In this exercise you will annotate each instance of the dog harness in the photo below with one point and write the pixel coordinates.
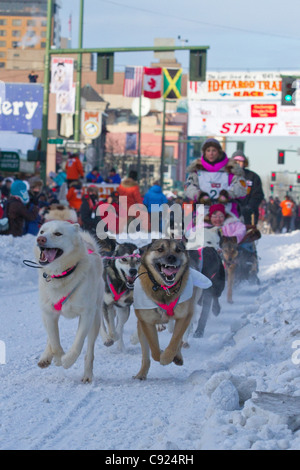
(115, 294)
(169, 308)
(142, 301)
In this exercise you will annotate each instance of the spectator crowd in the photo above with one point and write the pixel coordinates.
(24, 205)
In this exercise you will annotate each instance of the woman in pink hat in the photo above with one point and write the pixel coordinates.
(217, 178)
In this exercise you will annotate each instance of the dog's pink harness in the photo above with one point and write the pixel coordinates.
(169, 308)
(115, 294)
(59, 305)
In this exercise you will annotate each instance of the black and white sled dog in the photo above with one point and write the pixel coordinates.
(121, 263)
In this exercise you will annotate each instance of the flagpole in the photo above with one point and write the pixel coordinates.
(139, 140)
(162, 147)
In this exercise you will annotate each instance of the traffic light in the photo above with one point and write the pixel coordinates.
(273, 176)
(291, 187)
(288, 90)
(197, 69)
(280, 157)
(272, 188)
(298, 178)
(105, 68)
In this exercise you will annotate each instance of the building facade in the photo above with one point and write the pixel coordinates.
(23, 26)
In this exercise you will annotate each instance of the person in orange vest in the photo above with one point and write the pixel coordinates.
(287, 206)
(74, 196)
(74, 168)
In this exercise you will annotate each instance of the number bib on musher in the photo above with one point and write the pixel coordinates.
(212, 183)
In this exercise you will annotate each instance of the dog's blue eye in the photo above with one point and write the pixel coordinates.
(58, 234)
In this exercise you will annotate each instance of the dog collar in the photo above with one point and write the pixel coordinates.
(156, 286)
(64, 274)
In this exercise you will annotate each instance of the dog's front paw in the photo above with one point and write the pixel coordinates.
(68, 360)
(166, 358)
(87, 379)
(178, 360)
(140, 376)
(44, 363)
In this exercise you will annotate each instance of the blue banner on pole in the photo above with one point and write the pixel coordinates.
(21, 107)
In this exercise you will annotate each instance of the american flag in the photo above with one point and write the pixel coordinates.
(133, 81)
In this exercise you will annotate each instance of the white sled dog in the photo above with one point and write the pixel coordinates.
(71, 284)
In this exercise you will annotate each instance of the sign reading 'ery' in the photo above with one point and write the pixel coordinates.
(21, 107)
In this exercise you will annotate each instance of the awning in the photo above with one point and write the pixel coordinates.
(18, 142)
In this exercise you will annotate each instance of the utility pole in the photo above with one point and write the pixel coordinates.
(78, 77)
(44, 135)
(162, 156)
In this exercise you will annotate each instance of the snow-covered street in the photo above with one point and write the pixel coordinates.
(208, 403)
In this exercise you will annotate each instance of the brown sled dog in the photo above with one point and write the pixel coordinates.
(237, 266)
(165, 289)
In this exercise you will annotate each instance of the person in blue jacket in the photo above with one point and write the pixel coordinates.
(155, 196)
(94, 176)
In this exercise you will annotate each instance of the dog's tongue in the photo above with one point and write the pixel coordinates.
(49, 254)
(169, 270)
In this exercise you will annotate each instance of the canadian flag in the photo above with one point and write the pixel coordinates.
(152, 82)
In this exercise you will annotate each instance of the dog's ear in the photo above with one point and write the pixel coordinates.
(144, 248)
(107, 245)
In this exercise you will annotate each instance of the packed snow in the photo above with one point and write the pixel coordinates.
(211, 402)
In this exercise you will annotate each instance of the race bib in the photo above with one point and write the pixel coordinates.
(212, 183)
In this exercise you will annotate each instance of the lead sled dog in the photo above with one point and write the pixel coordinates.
(166, 288)
(71, 284)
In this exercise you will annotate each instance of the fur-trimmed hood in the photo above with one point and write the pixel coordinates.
(129, 182)
(230, 166)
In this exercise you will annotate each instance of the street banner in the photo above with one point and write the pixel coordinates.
(133, 81)
(61, 74)
(91, 123)
(21, 107)
(241, 86)
(152, 82)
(172, 83)
(131, 139)
(65, 101)
(234, 118)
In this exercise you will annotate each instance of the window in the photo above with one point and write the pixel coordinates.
(44, 34)
(43, 45)
(2, 54)
(14, 44)
(3, 22)
(16, 33)
(44, 23)
(16, 22)
(2, 65)
(2, 43)
(31, 22)
(2, 32)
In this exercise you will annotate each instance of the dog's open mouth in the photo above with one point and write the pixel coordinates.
(168, 272)
(129, 281)
(48, 255)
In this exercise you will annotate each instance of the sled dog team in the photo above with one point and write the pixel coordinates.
(98, 283)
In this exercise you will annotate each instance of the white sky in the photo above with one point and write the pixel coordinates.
(256, 35)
